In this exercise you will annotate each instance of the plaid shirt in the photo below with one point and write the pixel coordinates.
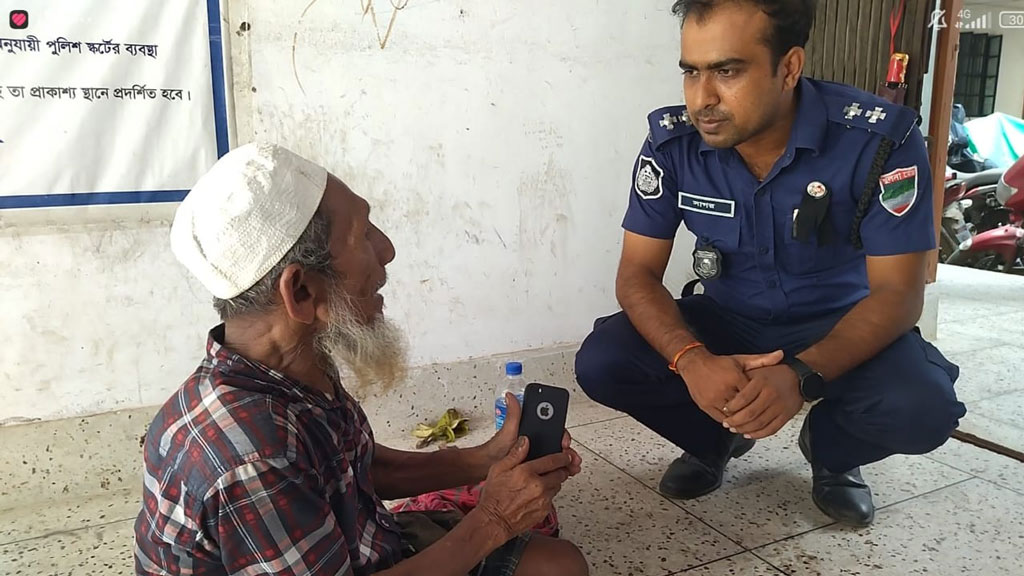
(249, 472)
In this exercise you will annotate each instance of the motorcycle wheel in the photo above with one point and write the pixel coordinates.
(990, 262)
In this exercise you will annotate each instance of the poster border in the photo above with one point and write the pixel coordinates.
(220, 117)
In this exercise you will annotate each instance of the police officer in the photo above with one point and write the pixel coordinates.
(811, 203)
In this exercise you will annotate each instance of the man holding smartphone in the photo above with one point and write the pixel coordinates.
(811, 205)
(262, 462)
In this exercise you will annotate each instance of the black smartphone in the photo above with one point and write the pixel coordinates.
(543, 421)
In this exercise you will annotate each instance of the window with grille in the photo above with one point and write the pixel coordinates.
(977, 72)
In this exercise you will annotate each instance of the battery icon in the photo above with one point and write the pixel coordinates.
(1011, 19)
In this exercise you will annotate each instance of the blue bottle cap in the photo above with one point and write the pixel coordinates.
(513, 368)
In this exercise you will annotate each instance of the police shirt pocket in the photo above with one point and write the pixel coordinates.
(716, 247)
(808, 257)
(714, 221)
(716, 231)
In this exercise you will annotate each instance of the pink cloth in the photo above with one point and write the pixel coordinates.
(465, 499)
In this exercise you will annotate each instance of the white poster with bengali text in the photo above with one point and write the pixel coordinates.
(108, 101)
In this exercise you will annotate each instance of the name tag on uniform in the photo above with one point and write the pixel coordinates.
(705, 205)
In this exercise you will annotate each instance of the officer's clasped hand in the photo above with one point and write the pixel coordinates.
(770, 400)
(713, 381)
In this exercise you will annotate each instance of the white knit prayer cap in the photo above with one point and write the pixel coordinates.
(244, 215)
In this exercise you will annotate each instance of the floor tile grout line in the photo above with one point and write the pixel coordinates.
(708, 563)
(780, 570)
(665, 498)
(972, 474)
(1011, 425)
(998, 485)
(930, 492)
(605, 421)
(950, 466)
(53, 533)
(790, 537)
(886, 507)
(954, 321)
(986, 347)
(986, 399)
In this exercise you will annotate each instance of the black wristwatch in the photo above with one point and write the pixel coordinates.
(812, 384)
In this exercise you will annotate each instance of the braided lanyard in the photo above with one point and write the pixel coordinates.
(877, 165)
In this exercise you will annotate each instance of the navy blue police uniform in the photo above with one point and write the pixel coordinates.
(774, 280)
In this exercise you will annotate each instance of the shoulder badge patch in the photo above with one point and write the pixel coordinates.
(857, 109)
(648, 179)
(899, 190)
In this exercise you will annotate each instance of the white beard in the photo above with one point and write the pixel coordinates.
(376, 354)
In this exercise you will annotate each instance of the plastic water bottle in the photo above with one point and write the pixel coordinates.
(514, 383)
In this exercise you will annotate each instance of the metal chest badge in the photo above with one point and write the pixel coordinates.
(817, 190)
(707, 262)
(812, 216)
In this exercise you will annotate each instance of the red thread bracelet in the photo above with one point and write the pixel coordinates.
(680, 354)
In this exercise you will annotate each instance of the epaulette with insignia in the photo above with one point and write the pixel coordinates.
(669, 122)
(857, 109)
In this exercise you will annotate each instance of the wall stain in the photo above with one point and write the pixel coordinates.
(368, 9)
(367, 6)
(295, 69)
(498, 234)
(544, 208)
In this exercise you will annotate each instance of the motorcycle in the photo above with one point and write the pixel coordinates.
(970, 205)
(1001, 248)
(959, 156)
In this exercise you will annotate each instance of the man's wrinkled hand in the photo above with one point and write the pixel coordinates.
(713, 381)
(519, 494)
(770, 400)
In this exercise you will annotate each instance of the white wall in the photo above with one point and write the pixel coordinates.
(1010, 90)
(495, 141)
(95, 314)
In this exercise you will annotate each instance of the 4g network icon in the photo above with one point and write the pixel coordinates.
(964, 20)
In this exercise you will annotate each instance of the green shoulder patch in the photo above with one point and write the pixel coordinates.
(899, 190)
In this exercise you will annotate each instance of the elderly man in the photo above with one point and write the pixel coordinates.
(261, 462)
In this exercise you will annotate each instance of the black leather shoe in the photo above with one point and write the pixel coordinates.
(843, 496)
(688, 477)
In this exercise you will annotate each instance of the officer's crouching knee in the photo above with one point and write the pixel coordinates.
(930, 423)
(592, 370)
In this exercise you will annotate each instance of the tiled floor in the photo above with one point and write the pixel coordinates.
(981, 329)
(953, 512)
